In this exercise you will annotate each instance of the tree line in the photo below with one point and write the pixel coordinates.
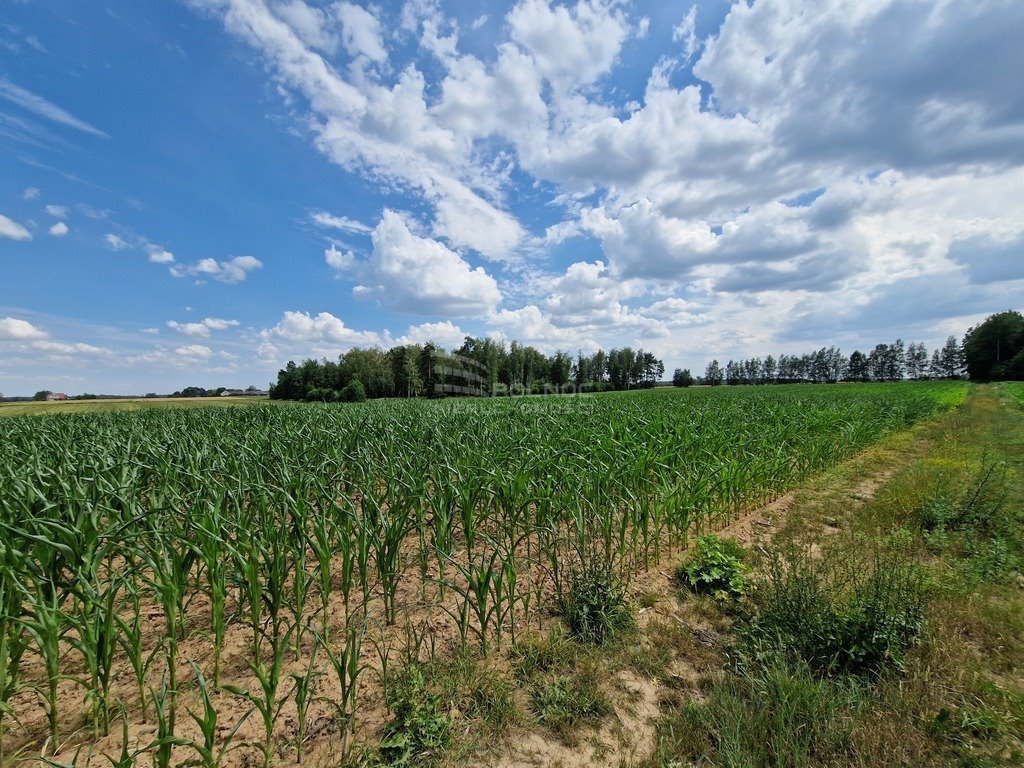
(886, 362)
(478, 367)
(991, 351)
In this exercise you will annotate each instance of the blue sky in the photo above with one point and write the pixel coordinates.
(196, 192)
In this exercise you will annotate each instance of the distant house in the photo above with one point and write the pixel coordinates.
(56, 396)
(244, 393)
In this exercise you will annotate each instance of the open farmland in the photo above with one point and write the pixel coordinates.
(34, 407)
(243, 585)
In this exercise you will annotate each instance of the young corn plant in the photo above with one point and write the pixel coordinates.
(268, 701)
(347, 667)
(44, 623)
(95, 626)
(208, 753)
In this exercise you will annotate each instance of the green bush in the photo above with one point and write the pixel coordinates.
(353, 392)
(716, 568)
(595, 606)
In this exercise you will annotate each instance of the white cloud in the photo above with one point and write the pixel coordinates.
(219, 324)
(571, 45)
(59, 229)
(30, 193)
(300, 335)
(331, 221)
(13, 229)
(194, 352)
(64, 348)
(362, 33)
(57, 211)
(160, 256)
(416, 274)
(202, 329)
(444, 334)
(15, 329)
(189, 329)
(387, 131)
(31, 102)
(232, 271)
(312, 25)
(114, 241)
(687, 32)
(338, 260)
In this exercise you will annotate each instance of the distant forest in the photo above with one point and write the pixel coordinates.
(478, 367)
(992, 350)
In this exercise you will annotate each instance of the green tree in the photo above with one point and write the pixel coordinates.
(990, 348)
(713, 374)
(41, 394)
(682, 377)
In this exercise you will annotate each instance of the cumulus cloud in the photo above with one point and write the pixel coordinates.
(159, 255)
(410, 273)
(338, 260)
(444, 334)
(368, 126)
(232, 271)
(57, 211)
(194, 352)
(301, 335)
(59, 229)
(361, 32)
(13, 229)
(572, 45)
(30, 193)
(806, 154)
(64, 348)
(16, 329)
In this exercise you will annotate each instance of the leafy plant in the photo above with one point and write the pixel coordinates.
(717, 568)
(420, 730)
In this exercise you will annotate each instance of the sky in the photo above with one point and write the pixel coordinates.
(196, 192)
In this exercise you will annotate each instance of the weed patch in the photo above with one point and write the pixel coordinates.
(851, 615)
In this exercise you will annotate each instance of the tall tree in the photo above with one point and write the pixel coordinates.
(713, 374)
(990, 348)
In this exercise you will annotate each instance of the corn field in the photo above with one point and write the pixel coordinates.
(207, 586)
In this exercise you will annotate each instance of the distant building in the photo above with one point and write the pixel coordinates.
(56, 396)
(244, 393)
